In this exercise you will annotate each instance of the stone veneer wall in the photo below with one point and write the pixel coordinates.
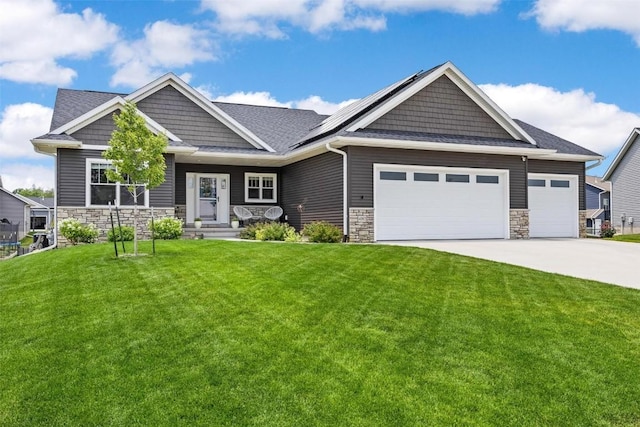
(361, 225)
(582, 220)
(519, 223)
(100, 218)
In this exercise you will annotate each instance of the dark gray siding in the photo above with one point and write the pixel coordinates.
(312, 190)
(71, 179)
(570, 168)
(592, 197)
(361, 160)
(12, 209)
(441, 108)
(187, 121)
(236, 175)
(96, 133)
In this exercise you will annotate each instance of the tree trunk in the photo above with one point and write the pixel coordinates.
(135, 222)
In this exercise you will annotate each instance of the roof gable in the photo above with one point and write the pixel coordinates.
(105, 109)
(455, 76)
(202, 102)
(423, 112)
(633, 137)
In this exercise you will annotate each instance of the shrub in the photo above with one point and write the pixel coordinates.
(167, 228)
(606, 230)
(322, 232)
(270, 231)
(76, 232)
(123, 233)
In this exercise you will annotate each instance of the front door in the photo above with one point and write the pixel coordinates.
(209, 199)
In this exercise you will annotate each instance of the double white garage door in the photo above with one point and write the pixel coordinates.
(416, 202)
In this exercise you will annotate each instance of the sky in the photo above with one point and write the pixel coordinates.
(571, 67)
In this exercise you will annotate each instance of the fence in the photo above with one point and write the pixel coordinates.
(9, 238)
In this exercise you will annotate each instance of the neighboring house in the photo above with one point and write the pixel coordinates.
(42, 212)
(15, 209)
(427, 157)
(624, 174)
(598, 203)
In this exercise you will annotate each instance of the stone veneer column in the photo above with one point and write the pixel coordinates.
(361, 225)
(519, 223)
(100, 218)
(582, 221)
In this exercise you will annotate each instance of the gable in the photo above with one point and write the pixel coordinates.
(441, 108)
(188, 121)
(96, 133)
(628, 168)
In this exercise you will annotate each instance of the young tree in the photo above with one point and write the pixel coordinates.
(136, 153)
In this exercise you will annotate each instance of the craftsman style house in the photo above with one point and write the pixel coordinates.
(427, 157)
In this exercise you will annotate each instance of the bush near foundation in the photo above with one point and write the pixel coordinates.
(76, 232)
(322, 232)
(167, 228)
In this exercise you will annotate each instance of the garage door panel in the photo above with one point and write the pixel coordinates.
(429, 209)
(553, 205)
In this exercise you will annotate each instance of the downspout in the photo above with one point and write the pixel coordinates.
(345, 216)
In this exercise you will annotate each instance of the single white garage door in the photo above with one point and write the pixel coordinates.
(417, 202)
(553, 205)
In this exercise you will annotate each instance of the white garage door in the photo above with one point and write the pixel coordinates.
(416, 202)
(553, 205)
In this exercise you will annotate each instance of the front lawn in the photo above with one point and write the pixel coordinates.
(247, 333)
(634, 238)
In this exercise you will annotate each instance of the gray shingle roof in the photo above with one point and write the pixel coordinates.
(547, 140)
(71, 104)
(285, 129)
(278, 127)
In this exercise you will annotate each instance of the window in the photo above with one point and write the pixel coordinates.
(260, 187)
(393, 176)
(487, 179)
(426, 177)
(559, 183)
(537, 183)
(451, 177)
(100, 191)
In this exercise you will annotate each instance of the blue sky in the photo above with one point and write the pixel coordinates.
(568, 66)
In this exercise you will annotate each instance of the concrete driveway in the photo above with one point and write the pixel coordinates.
(602, 260)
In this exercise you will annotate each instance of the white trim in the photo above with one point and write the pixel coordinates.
(619, 156)
(377, 167)
(109, 107)
(466, 85)
(260, 175)
(196, 97)
(118, 186)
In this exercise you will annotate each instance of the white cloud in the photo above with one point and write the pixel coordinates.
(321, 106)
(582, 15)
(313, 102)
(35, 35)
(574, 115)
(27, 175)
(20, 123)
(165, 46)
(268, 17)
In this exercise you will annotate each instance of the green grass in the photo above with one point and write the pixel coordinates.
(634, 238)
(267, 334)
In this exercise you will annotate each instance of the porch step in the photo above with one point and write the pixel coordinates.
(211, 233)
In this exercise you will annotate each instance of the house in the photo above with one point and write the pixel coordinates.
(624, 174)
(428, 157)
(42, 213)
(15, 209)
(598, 203)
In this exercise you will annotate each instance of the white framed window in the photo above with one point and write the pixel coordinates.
(100, 191)
(260, 187)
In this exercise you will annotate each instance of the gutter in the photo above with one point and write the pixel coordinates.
(345, 216)
(596, 164)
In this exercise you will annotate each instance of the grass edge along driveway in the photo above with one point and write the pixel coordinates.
(236, 333)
